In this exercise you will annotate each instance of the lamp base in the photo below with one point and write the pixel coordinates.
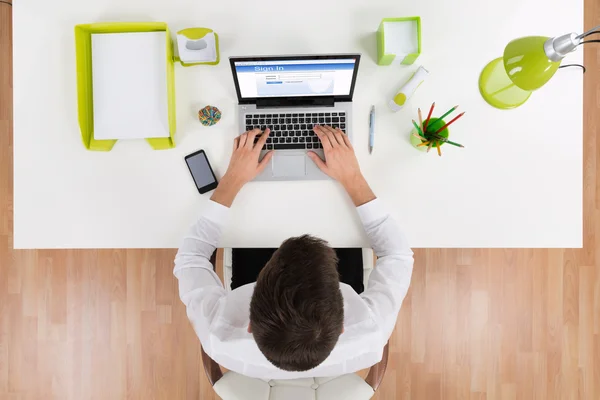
(497, 88)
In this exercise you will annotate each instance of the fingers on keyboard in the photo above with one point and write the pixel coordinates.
(293, 130)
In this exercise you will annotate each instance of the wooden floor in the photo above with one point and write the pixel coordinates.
(479, 324)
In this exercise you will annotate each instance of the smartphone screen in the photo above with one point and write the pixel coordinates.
(201, 171)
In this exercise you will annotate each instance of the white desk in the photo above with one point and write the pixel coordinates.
(518, 183)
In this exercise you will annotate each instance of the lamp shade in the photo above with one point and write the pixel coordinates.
(527, 64)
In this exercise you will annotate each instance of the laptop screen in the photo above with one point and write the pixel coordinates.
(295, 77)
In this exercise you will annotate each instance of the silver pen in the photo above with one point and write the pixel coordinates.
(372, 129)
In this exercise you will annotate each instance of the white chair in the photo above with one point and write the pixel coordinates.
(234, 386)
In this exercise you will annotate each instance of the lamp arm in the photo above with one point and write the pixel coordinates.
(558, 47)
(588, 32)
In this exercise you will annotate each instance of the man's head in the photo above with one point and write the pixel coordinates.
(297, 309)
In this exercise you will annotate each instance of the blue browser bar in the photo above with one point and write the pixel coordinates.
(293, 68)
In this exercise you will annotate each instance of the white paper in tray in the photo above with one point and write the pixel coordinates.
(401, 38)
(129, 75)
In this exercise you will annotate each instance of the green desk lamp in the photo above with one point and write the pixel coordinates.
(528, 64)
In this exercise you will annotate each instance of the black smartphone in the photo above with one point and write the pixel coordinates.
(201, 171)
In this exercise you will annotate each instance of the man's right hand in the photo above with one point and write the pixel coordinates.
(341, 163)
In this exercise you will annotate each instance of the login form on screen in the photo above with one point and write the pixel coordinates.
(295, 78)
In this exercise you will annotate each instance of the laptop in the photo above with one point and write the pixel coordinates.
(290, 95)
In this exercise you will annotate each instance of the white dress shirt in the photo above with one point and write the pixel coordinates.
(221, 318)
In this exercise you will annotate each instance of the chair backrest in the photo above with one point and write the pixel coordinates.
(234, 386)
(367, 254)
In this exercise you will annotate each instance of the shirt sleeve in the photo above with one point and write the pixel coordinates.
(200, 289)
(389, 281)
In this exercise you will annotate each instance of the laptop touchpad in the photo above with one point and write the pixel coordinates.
(289, 165)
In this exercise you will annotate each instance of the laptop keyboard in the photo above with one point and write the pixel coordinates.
(291, 131)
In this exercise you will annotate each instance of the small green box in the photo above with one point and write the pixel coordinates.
(405, 45)
(85, 98)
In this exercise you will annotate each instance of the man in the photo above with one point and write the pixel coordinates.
(298, 320)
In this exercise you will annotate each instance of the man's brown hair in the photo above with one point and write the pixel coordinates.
(297, 309)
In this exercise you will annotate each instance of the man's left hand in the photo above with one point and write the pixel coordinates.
(243, 167)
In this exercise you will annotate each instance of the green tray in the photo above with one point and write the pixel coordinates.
(85, 98)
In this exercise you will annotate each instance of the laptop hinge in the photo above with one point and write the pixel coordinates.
(324, 101)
